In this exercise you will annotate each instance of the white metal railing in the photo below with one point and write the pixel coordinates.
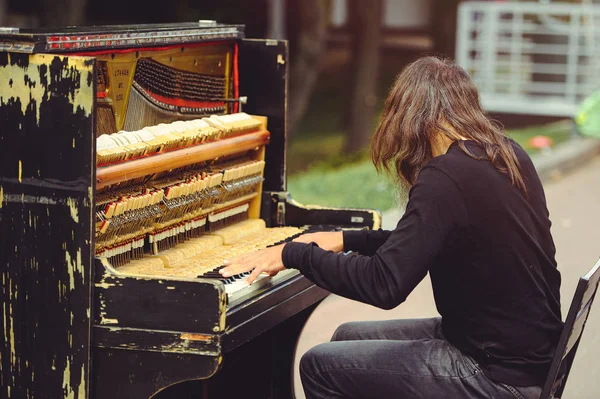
(530, 58)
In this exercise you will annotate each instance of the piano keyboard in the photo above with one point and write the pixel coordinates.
(204, 256)
(237, 288)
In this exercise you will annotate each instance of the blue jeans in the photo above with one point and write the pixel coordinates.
(397, 359)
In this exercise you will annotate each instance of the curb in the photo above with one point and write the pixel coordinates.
(550, 166)
(565, 158)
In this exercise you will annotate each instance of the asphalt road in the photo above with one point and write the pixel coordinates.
(574, 205)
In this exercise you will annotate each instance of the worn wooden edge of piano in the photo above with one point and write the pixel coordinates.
(290, 212)
(151, 302)
(136, 302)
(36, 40)
(343, 217)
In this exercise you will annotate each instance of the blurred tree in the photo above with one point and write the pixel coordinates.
(253, 13)
(276, 28)
(443, 26)
(3, 11)
(365, 25)
(307, 22)
(62, 12)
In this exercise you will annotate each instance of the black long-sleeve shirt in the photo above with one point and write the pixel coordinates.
(488, 250)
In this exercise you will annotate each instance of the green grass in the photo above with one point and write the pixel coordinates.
(353, 186)
(342, 181)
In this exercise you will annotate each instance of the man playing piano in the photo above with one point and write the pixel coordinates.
(476, 221)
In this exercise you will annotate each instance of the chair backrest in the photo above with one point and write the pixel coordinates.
(571, 335)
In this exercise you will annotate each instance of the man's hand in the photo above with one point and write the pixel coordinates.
(328, 240)
(262, 261)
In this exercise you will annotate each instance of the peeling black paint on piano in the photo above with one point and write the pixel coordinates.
(258, 369)
(45, 141)
(139, 374)
(20, 60)
(157, 341)
(46, 173)
(157, 304)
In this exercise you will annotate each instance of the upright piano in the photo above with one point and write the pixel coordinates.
(133, 161)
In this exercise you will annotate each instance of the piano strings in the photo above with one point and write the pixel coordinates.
(160, 93)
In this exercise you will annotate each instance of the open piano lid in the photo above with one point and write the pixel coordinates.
(103, 37)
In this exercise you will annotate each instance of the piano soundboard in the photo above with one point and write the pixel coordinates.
(134, 160)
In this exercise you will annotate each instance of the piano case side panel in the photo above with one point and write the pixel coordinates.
(297, 214)
(263, 78)
(149, 303)
(46, 174)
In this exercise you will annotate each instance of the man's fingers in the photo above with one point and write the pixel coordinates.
(236, 268)
(239, 265)
(263, 258)
(254, 275)
(238, 259)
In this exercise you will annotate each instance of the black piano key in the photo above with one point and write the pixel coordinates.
(212, 275)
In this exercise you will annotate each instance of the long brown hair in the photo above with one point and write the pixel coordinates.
(429, 97)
